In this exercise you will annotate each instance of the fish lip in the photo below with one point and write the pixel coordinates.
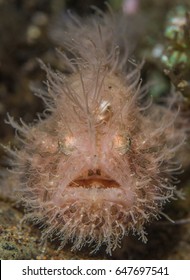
(95, 181)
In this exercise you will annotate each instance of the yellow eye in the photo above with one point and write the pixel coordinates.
(122, 143)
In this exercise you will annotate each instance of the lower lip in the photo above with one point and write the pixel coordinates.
(96, 195)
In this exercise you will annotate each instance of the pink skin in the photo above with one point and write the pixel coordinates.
(98, 167)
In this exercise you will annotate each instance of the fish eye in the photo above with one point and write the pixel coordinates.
(66, 146)
(122, 143)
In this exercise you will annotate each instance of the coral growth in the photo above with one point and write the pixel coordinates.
(99, 164)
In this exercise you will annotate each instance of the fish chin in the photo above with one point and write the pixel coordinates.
(100, 217)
